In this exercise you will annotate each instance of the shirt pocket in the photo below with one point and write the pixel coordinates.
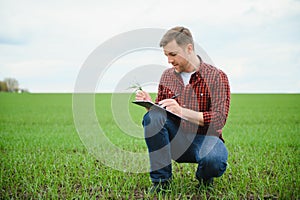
(203, 97)
(168, 93)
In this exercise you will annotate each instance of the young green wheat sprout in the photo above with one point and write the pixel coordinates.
(136, 86)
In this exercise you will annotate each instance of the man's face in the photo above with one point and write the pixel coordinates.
(177, 56)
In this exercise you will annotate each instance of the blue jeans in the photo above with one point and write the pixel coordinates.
(166, 141)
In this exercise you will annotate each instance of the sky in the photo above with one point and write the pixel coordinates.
(44, 44)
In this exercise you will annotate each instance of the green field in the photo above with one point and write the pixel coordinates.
(42, 156)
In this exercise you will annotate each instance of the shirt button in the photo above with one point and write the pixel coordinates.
(201, 94)
(183, 105)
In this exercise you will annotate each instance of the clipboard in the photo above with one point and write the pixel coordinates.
(151, 105)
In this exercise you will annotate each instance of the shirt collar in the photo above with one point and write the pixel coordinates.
(200, 68)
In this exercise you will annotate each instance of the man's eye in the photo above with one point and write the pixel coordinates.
(173, 54)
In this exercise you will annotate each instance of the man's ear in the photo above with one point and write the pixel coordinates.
(190, 48)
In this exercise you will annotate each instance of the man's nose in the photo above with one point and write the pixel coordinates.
(170, 60)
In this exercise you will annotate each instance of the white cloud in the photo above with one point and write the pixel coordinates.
(37, 68)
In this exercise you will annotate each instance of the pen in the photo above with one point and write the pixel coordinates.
(175, 96)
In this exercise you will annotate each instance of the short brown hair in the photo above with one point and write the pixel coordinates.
(180, 34)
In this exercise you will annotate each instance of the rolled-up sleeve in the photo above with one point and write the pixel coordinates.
(220, 101)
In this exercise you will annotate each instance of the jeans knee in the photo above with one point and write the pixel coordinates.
(146, 120)
(153, 122)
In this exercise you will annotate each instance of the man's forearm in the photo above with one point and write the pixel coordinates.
(193, 116)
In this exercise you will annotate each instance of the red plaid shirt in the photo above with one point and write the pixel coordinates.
(208, 91)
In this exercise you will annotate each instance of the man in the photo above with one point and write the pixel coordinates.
(203, 99)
